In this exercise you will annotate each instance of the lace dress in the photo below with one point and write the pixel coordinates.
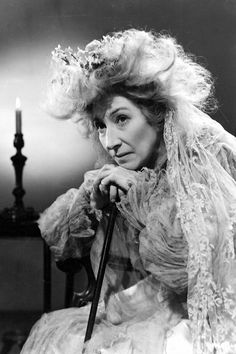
(170, 282)
(138, 312)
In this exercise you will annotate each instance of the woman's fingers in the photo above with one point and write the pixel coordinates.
(104, 172)
(120, 181)
(120, 193)
(111, 183)
(103, 188)
(113, 191)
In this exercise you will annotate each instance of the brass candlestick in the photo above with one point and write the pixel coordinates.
(18, 213)
(18, 161)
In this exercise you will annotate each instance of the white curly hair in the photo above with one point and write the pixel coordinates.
(142, 64)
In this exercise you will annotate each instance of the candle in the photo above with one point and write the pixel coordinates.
(18, 116)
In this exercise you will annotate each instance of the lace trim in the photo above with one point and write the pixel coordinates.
(69, 224)
(205, 194)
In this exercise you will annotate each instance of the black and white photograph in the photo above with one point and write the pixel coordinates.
(118, 177)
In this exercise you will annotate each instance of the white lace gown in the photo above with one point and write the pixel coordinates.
(63, 331)
(170, 283)
(140, 314)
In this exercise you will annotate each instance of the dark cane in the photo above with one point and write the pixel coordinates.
(101, 271)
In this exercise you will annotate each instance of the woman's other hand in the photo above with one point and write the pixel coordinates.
(111, 184)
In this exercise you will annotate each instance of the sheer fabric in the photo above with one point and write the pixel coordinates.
(176, 228)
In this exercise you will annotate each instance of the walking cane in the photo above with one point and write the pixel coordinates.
(101, 271)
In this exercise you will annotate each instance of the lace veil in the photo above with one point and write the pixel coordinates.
(201, 173)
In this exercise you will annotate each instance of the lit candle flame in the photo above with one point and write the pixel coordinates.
(18, 116)
(18, 103)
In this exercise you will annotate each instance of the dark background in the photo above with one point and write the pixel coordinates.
(57, 155)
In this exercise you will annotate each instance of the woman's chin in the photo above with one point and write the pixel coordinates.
(131, 162)
(129, 165)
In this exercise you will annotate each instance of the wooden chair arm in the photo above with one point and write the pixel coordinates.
(71, 266)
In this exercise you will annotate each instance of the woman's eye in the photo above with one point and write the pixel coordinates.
(121, 119)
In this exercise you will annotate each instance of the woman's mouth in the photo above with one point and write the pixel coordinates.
(122, 155)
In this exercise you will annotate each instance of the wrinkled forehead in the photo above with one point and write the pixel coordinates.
(112, 104)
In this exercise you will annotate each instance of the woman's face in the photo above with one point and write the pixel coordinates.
(125, 134)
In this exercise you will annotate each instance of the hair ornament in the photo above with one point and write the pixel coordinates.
(89, 59)
(131, 58)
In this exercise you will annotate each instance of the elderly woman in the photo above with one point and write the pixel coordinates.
(170, 169)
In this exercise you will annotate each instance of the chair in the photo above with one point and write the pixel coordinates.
(12, 338)
(71, 267)
(92, 291)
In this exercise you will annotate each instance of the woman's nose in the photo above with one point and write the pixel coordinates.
(112, 140)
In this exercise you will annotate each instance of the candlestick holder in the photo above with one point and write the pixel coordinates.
(18, 213)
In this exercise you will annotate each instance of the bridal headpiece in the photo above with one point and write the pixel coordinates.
(130, 58)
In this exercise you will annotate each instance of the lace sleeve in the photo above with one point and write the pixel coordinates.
(69, 224)
(136, 205)
(150, 208)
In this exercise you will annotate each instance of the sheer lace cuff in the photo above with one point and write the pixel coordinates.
(69, 224)
(135, 205)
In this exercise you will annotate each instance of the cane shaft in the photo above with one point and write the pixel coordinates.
(101, 271)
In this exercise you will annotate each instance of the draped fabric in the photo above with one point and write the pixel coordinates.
(201, 173)
(176, 229)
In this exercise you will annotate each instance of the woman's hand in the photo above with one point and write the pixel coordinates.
(111, 183)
